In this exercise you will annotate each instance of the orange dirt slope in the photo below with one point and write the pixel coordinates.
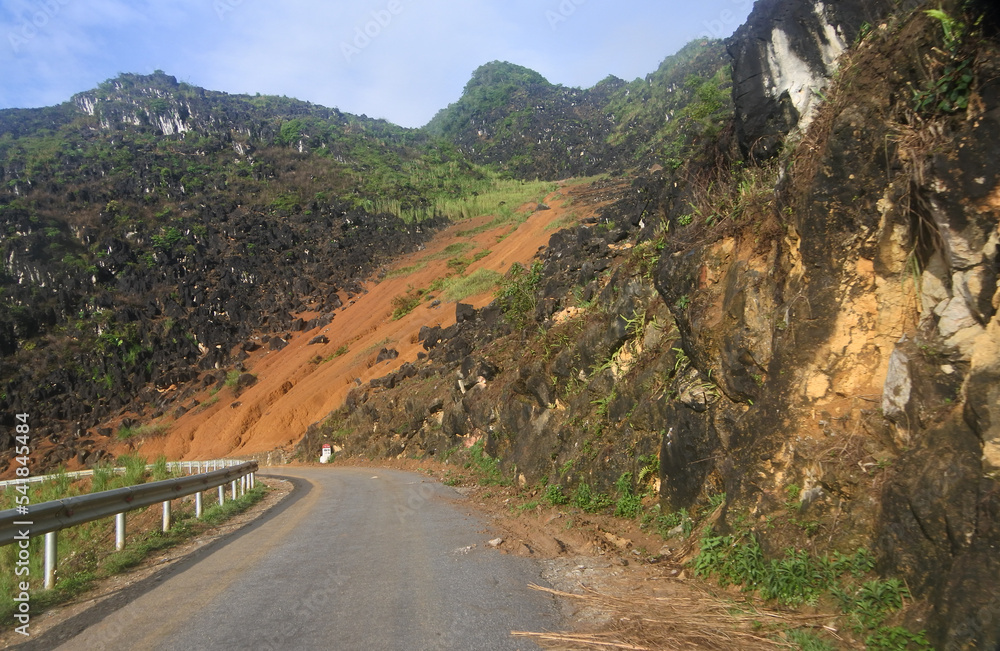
(293, 391)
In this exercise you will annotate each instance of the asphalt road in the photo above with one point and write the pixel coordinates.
(354, 558)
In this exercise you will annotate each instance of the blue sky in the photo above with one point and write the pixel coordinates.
(401, 60)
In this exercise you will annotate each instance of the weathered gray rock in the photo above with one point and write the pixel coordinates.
(783, 58)
(898, 386)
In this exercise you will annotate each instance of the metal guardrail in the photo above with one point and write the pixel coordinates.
(20, 525)
(189, 467)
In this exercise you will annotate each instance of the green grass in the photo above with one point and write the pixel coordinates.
(406, 271)
(808, 641)
(208, 403)
(406, 303)
(500, 194)
(568, 219)
(517, 293)
(584, 497)
(554, 495)
(483, 196)
(487, 467)
(629, 504)
(480, 281)
(800, 578)
(667, 523)
(452, 250)
(159, 471)
(340, 352)
(505, 216)
(141, 431)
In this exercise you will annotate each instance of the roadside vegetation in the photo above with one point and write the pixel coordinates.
(781, 598)
(87, 552)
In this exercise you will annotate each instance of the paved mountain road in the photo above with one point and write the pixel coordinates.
(355, 558)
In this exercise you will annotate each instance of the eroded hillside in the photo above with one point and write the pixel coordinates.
(779, 328)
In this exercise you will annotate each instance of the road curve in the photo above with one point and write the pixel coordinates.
(355, 558)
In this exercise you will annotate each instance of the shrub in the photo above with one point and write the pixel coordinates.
(517, 293)
(629, 504)
(588, 500)
(554, 495)
(405, 303)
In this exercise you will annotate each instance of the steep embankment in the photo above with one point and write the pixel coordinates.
(301, 383)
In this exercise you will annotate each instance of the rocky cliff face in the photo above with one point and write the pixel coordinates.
(783, 59)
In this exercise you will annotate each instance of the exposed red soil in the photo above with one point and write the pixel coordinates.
(292, 391)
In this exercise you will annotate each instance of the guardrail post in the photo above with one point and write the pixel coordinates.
(120, 531)
(197, 505)
(55, 515)
(51, 558)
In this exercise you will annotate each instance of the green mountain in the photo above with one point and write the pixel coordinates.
(514, 119)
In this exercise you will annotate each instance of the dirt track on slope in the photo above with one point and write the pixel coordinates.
(293, 392)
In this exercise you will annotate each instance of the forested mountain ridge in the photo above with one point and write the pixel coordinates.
(512, 117)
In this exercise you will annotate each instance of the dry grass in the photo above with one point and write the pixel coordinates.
(689, 622)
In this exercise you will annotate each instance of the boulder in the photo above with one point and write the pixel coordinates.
(386, 354)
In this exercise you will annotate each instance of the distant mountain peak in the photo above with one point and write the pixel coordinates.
(502, 72)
